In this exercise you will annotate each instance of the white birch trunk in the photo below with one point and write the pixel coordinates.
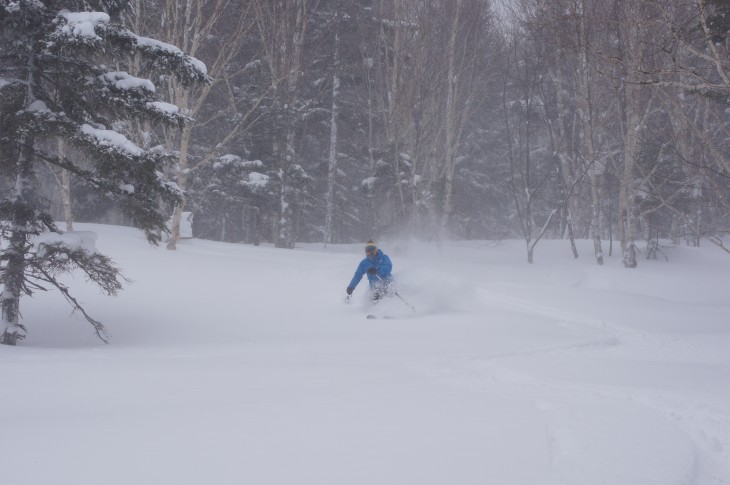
(394, 91)
(451, 93)
(181, 179)
(568, 161)
(585, 102)
(627, 190)
(629, 44)
(65, 187)
(332, 169)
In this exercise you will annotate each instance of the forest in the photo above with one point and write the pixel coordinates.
(342, 120)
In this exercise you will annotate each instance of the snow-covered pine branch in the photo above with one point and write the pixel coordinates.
(163, 56)
(131, 96)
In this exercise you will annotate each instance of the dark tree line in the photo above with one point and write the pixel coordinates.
(560, 118)
(565, 118)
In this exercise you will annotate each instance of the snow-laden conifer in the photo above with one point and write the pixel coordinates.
(60, 79)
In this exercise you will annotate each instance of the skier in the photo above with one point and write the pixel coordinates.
(377, 266)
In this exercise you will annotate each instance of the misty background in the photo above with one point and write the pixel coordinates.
(338, 121)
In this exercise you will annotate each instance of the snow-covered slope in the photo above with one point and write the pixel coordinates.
(232, 364)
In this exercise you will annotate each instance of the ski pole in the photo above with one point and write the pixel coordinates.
(395, 292)
(404, 301)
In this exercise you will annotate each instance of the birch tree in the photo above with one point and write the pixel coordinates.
(694, 34)
(470, 48)
(430, 76)
(215, 31)
(332, 158)
(586, 24)
(575, 27)
(530, 167)
(633, 23)
(397, 40)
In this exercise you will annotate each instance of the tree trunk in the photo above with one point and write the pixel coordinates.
(391, 110)
(332, 171)
(571, 235)
(627, 199)
(182, 177)
(65, 190)
(14, 274)
(595, 169)
(568, 162)
(372, 217)
(449, 129)
(285, 228)
(629, 45)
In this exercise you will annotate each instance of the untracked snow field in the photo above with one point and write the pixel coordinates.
(232, 364)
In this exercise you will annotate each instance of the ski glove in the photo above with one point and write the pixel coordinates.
(373, 271)
(349, 290)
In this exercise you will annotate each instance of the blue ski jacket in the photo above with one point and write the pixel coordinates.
(381, 262)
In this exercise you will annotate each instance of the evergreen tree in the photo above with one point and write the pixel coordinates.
(227, 197)
(56, 83)
(341, 33)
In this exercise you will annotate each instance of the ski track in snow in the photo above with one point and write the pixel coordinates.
(703, 428)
